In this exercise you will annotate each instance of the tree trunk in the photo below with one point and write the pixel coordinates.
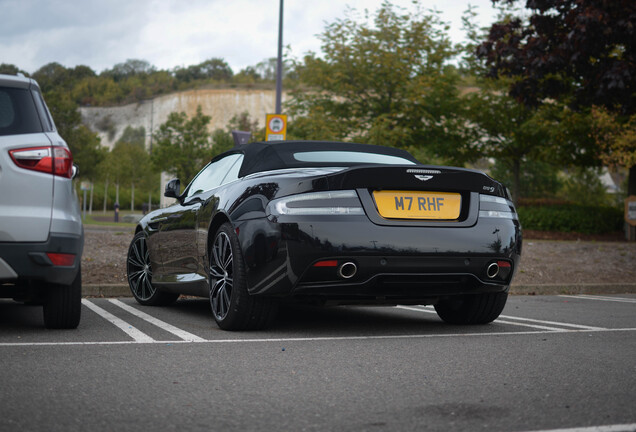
(90, 203)
(105, 195)
(132, 197)
(631, 181)
(516, 175)
(117, 193)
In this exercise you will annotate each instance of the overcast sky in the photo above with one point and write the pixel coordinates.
(170, 33)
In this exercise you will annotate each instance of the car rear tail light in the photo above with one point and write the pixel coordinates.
(52, 160)
(318, 203)
(61, 259)
(326, 263)
(496, 207)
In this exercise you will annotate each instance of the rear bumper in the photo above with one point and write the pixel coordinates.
(401, 279)
(21, 263)
(394, 264)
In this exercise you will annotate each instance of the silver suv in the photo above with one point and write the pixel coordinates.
(41, 234)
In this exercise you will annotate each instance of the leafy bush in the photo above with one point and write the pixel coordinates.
(571, 218)
(538, 179)
(584, 186)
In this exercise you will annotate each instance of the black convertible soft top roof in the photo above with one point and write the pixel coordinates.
(267, 156)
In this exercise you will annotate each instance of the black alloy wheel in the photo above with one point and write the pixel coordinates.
(221, 276)
(139, 272)
(62, 305)
(232, 306)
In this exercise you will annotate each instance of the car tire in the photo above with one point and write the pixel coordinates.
(472, 308)
(139, 275)
(62, 308)
(232, 306)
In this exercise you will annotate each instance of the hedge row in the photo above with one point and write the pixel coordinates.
(571, 218)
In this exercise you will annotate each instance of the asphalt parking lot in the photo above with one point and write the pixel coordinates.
(548, 363)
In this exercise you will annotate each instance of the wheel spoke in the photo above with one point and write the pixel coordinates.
(215, 273)
(221, 281)
(135, 274)
(135, 282)
(220, 309)
(226, 299)
(227, 265)
(135, 263)
(138, 255)
(216, 258)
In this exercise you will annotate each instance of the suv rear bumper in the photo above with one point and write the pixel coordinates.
(23, 262)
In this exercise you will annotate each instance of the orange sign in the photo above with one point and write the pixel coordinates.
(275, 127)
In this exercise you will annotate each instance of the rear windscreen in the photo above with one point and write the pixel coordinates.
(18, 114)
(353, 157)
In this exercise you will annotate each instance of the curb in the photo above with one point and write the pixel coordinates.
(111, 290)
(587, 288)
(122, 290)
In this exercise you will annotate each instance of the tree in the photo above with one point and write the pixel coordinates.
(130, 67)
(133, 135)
(182, 145)
(266, 69)
(505, 130)
(222, 139)
(87, 152)
(53, 77)
(133, 166)
(65, 112)
(247, 76)
(581, 52)
(215, 69)
(616, 138)
(584, 50)
(84, 144)
(387, 82)
(133, 161)
(9, 69)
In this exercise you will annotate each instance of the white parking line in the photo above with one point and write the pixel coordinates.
(186, 336)
(321, 339)
(552, 322)
(608, 428)
(601, 298)
(555, 329)
(131, 331)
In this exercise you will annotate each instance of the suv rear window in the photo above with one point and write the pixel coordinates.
(18, 114)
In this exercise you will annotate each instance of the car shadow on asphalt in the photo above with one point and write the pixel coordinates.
(344, 320)
(19, 316)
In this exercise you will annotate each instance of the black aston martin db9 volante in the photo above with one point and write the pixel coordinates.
(335, 223)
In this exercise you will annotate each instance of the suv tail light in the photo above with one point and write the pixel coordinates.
(52, 160)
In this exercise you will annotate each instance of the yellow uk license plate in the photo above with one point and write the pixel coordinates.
(418, 205)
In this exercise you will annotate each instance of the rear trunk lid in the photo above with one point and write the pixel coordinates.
(421, 195)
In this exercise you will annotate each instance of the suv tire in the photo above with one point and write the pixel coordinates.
(63, 304)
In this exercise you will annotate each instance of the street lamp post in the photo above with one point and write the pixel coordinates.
(279, 62)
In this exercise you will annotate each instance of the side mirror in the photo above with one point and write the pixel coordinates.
(173, 189)
(74, 171)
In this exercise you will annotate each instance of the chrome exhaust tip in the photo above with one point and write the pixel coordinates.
(347, 270)
(493, 270)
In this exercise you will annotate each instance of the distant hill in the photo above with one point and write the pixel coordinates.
(220, 104)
